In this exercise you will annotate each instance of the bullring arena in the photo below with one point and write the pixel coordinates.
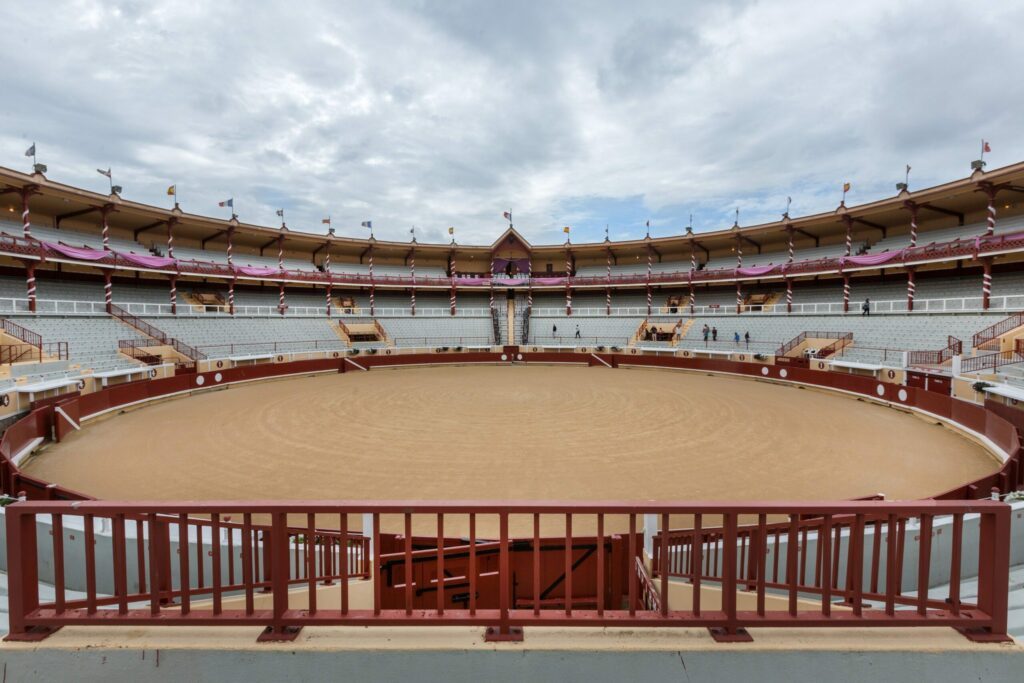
(513, 433)
(226, 443)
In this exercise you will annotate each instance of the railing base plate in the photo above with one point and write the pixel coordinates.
(980, 635)
(493, 634)
(722, 635)
(283, 635)
(33, 634)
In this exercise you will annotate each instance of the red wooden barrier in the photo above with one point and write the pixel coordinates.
(418, 586)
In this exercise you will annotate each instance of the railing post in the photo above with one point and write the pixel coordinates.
(23, 576)
(504, 631)
(993, 575)
(731, 632)
(279, 573)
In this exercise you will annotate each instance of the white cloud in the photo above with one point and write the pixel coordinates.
(436, 114)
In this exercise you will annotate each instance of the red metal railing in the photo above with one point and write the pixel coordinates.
(795, 341)
(954, 347)
(269, 347)
(441, 581)
(838, 345)
(155, 333)
(855, 559)
(993, 332)
(991, 361)
(18, 332)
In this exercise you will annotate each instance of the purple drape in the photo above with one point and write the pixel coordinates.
(756, 270)
(871, 259)
(146, 261)
(76, 252)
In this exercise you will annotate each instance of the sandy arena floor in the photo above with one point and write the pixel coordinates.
(515, 433)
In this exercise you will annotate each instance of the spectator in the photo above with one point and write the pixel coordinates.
(714, 334)
(577, 331)
(706, 331)
(865, 309)
(554, 330)
(736, 338)
(746, 337)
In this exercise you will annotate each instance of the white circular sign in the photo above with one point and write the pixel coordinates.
(783, 373)
(519, 356)
(764, 370)
(902, 394)
(217, 377)
(504, 357)
(880, 390)
(200, 380)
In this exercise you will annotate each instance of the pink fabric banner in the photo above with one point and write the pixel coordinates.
(548, 280)
(510, 281)
(146, 261)
(76, 252)
(756, 270)
(254, 271)
(871, 259)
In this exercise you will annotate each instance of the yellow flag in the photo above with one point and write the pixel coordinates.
(451, 231)
(172, 190)
(846, 187)
(566, 230)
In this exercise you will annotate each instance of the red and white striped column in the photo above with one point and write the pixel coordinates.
(986, 283)
(490, 289)
(174, 294)
(990, 191)
(608, 283)
(30, 284)
(412, 274)
(327, 270)
(913, 223)
(231, 243)
(170, 237)
(108, 291)
(739, 297)
(568, 288)
(26, 223)
(739, 252)
(911, 289)
(280, 298)
(692, 297)
(280, 252)
(693, 257)
(454, 274)
(849, 234)
(104, 214)
(529, 284)
(789, 295)
(650, 294)
(790, 231)
(231, 296)
(846, 293)
(373, 287)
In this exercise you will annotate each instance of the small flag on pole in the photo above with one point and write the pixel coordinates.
(227, 202)
(326, 221)
(985, 147)
(102, 172)
(451, 230)
(31, 151)
(507, 215)
(280, 213)
(367, 224)
(846, 187)
(566, 230)
(172, 191)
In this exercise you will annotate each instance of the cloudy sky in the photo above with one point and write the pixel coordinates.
(586, 114)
